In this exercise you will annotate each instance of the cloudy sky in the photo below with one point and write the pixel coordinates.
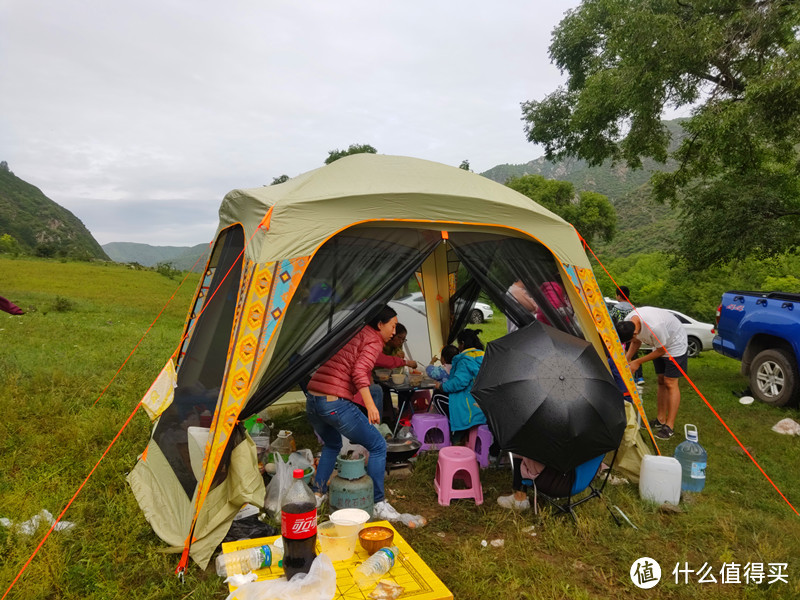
(139, 116)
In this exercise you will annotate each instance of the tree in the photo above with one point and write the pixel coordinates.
(735, 63)
(464, 165)
(590, 213)
(278, 180)
(8, 243)
(334, 155)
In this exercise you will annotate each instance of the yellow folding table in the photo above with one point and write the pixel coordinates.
(410, 572)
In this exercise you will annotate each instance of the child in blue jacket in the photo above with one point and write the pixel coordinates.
(462, 408)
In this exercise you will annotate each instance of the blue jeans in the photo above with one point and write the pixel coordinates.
(376, 391)
(337, 418)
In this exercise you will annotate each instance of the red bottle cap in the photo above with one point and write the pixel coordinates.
(297, 473)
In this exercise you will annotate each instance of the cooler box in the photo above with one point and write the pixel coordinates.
(660, 479)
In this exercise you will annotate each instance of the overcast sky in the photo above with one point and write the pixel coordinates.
(139, 116)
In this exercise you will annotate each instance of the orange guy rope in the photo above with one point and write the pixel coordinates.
(184, 560)
(141, 339)
(63, 512)
(699, 393)
(71, 500)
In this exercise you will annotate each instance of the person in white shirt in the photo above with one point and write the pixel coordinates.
(661, 330)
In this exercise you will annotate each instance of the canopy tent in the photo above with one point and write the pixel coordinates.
(297, 268)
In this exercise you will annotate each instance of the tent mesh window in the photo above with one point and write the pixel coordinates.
(350, 278)
(498, 263)
(203, 366)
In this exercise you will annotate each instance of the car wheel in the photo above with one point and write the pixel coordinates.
(773, 377)
(695, 346)
(475, 316)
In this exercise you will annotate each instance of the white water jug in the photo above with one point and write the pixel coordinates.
(660, 479)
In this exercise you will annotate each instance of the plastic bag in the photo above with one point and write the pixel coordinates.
(30, 526)
(301, 459)
(277, 486)
(318, 584)
(356, 449)
(413, 521)
(386, 590)
(249, 528)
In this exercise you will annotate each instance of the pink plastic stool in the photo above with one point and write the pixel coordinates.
(457, 463)
(432, 429)
(480, 439)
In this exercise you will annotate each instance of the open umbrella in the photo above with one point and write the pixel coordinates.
(549, 396)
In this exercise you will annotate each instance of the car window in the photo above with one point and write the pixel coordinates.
(681, 318)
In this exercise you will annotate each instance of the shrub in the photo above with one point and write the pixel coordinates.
(9, 244)
(167, 270)
(62, 304)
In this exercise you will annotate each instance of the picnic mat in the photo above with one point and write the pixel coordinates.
(410, 571)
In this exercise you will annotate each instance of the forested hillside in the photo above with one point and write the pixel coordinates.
(643, 225)
(31, 223)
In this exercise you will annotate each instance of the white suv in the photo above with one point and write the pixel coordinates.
(480, 312)
(701, 335)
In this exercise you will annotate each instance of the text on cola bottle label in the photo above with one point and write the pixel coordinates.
(299, 526)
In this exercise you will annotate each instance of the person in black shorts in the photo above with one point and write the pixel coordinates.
(661, 330)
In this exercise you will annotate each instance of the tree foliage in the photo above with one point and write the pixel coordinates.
(278, 180)
(659, 279)
(590, 213)
(736, 63)
(334, 155)
(9, 244)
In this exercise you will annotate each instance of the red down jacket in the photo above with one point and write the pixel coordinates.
(350, 369)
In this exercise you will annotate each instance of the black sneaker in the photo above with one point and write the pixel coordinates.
(664, 433)
(655, 424)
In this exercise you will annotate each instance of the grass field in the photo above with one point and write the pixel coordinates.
(83, 320)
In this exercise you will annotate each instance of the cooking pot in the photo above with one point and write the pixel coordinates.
(398, 450)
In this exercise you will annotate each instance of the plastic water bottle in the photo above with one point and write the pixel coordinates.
(693, 459)
(249, 559)
(371, 570)
(258, 427)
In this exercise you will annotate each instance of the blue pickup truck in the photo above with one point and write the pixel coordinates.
(762, 330)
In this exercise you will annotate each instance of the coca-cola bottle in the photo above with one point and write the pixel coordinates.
(298, 527)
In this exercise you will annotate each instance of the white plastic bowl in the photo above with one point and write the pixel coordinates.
(352, 515)
(746, 400)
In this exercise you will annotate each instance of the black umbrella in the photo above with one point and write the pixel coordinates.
(548, 395)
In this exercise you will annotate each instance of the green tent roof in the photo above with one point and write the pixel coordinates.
(312, 207)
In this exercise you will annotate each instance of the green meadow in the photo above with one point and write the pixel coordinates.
(64, 398)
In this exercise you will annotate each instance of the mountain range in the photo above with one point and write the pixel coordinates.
(185, 258)
(43, 227)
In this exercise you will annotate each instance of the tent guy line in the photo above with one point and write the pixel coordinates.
(147, 331)
(702, 397)
(71, 500)
(124, 425)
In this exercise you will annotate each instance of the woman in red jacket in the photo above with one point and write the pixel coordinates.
(336, 391)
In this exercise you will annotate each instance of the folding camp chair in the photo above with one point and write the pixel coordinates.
(584, 475)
